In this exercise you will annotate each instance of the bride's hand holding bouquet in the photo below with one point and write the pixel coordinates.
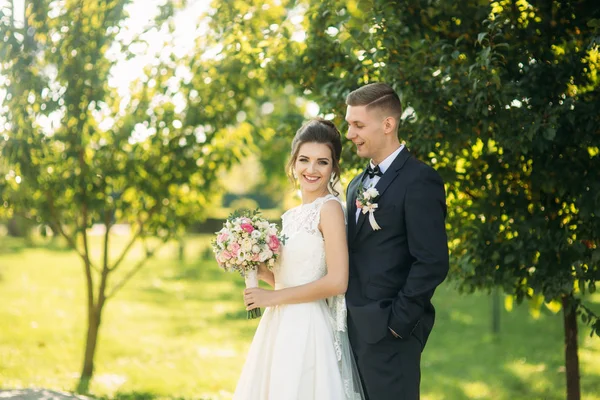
(246, 241)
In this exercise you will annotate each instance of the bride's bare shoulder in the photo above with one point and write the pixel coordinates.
(332, 212)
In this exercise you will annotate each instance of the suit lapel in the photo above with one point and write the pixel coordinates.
(392, 172)
(384, 182)
(359, 223)
(351, 203)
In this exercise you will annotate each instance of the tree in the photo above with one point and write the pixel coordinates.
(79, 153)
(505, 96)
(251, 36)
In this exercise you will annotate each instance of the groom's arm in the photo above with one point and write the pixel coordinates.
(425, 210)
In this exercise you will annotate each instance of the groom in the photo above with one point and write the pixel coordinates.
(398, 248)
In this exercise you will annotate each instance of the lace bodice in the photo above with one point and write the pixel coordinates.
(303, 255)
(303, 261)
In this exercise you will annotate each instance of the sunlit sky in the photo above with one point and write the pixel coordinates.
(190, 24)
(141, 14)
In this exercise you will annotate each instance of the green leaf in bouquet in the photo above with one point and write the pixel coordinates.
(244, 212)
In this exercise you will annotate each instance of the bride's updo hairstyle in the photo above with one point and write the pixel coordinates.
(319, 130)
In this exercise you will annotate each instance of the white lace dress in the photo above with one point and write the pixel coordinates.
(301, 351)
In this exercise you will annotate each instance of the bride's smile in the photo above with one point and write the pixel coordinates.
(311, 179)
(313, 167)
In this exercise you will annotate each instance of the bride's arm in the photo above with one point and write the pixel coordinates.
(265, 275)
(335, 282)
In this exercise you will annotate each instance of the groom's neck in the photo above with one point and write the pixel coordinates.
(385, 153)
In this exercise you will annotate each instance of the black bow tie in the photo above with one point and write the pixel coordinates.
(373, 172)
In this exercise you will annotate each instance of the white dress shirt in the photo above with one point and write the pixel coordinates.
(383, 166)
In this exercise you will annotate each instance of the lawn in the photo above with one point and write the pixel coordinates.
(178, 330)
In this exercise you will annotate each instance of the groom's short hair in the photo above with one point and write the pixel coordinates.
(377, 95)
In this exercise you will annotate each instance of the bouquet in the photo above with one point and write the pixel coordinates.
(245, 241)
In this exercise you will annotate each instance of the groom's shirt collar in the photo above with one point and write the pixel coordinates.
(385, 164)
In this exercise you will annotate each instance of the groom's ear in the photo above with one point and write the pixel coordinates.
(389, 125)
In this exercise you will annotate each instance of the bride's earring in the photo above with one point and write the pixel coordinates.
(330, 184)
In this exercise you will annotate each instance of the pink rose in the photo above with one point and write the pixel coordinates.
(358, 204)
(222, 237)
(247, 227)
(223, 257)
(274, 243)
(234, 248)
(256, 257)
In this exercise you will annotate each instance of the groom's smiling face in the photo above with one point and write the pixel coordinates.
(365, 130)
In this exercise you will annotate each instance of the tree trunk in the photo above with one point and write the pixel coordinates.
(496, 311)
(181, 249)
(13, 227)
(90, 350)
(571, 351)
(94, 310)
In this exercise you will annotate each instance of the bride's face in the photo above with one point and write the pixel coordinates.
(313, 167)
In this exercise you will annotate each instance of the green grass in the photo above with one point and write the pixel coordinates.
(178, 330)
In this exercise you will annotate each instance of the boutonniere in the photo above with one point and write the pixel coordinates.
(365, 202)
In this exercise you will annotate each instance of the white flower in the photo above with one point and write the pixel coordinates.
(246, 246)
(262, 225)
(365, 202)
(255, 234)
(265, 255)
(255, 249)
(371, 193)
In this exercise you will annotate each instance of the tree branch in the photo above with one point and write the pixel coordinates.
(136, 269)
(471, 195)
(56, 222)
(133, 239)
(23, 215)
(127, 248)
(107, 226)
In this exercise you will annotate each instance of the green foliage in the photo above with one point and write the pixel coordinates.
(77, 153)
(149, 159)
(505, 98)
(253, 38)
(243, 212)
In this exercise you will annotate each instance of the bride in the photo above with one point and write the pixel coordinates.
(301, 350)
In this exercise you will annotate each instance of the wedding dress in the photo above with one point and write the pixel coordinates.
(301, 351)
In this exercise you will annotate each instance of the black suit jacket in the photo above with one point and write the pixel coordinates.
(395, 270)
